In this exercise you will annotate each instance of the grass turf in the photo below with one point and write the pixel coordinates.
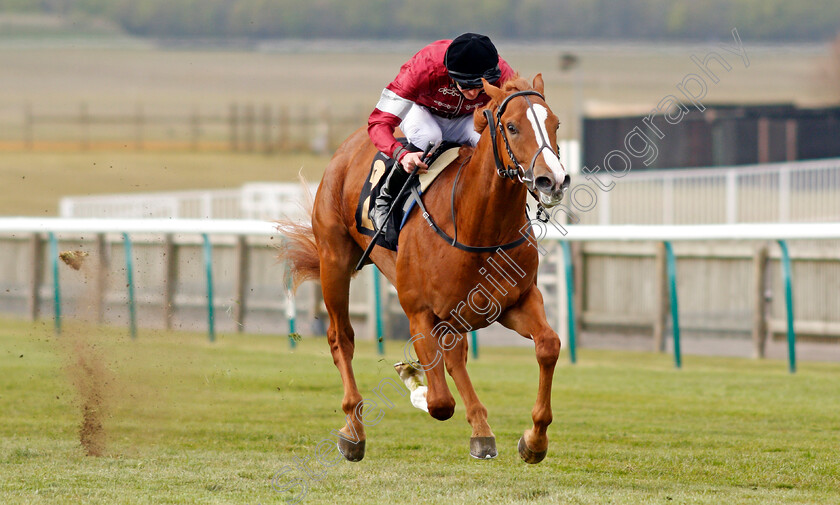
(194, 422)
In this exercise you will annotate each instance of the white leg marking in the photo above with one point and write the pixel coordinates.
(418, 398)
(413, 379)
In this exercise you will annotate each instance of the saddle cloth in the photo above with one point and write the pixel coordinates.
(379, 168)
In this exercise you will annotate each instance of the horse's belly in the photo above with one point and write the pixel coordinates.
(473, 298)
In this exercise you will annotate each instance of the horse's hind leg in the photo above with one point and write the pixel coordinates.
(528, 319)
(337, 258)
(482, 441)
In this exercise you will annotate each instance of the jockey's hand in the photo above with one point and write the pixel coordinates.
(411, 160)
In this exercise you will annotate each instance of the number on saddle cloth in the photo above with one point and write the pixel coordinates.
(379, 170)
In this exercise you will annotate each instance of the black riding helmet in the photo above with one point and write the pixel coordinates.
(470, 57)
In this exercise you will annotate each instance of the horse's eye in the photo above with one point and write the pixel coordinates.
(512, 128)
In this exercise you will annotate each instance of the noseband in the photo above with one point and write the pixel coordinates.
(516, 172)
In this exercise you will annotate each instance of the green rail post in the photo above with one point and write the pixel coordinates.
(208, 265)
(377, 299)
(291, 310)
(474, 339)
(56, 287)
(570, 299)
(675, 308)
(129, 274)
(787, 274)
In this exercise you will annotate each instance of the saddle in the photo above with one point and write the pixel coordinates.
(379, 169)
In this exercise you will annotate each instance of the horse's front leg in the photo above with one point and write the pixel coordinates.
(439, 399)
(527, 318)
(482, 441)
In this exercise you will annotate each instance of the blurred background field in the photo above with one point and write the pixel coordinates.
(322, 94)
(331, 77)
(136, 84)
(33, 183)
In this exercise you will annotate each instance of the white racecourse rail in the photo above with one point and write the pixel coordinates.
(585, 233)
(801, 191)
(552, 276)
(256, 200)
(237, 227)
(708, 232)
(804, 191)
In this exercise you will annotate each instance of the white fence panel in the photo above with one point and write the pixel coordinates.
(807, 191)
(787, 192)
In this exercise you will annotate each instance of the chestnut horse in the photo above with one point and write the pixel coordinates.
(433, 278)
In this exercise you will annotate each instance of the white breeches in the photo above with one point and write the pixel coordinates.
(421, 127)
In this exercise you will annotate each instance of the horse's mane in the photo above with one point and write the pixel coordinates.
(512, 85)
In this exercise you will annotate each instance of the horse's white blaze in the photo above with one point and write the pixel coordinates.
(537, 116)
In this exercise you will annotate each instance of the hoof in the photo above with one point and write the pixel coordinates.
(351, 451)
(441, 412)
(483, 447)
(528, 455)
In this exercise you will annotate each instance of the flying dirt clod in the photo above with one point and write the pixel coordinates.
(73, 259)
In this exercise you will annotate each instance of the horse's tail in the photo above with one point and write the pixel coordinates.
(298, 247)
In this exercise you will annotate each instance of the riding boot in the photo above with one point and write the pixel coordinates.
(393, 184)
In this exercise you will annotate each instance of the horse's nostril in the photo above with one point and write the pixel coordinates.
(567, 181)
(544, 183)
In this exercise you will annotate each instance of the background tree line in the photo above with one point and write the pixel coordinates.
(768, 20)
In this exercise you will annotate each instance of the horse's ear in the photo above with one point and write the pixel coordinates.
(479, 120)
(539, 85)
(493, 92)
(496, 95)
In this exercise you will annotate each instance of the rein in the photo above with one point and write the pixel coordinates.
(515, 172)
(452, 241)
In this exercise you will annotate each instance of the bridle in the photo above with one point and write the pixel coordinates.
(517, 172)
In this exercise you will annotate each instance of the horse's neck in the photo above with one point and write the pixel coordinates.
(490, 209)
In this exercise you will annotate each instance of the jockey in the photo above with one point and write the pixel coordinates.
(433, 98)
